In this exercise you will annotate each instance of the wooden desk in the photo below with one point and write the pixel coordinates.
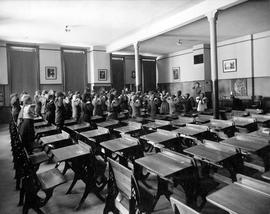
(159, 137)
(47, 130)
(119, 144)
(210, 154)
(70, 122)
(79, 127)
(157, 124)
(131, 127)
(260, 118)
(243, 122)
(266, 175)
(100, 131)
(69, 152)
(236, 198)
(97, 118)
(54, 138)
(108, 123)
(38, 119)
(191, 130)
(260, 134)
(162, 165)
(165, 165)
(246, 143)
(41, 124)
(201, 119)
(182, 121)
(219, 125)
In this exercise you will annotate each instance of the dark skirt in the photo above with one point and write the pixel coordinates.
(27, 133)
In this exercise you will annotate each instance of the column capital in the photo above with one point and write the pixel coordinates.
(136, 45)
(212, 15)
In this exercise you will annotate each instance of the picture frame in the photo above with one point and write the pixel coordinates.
(102, 74)
(176, 73)
(50, 72)
(229, 65)
(133, 74)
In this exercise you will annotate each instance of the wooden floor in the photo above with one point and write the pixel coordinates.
(60, 202)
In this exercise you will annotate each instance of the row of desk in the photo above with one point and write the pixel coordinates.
(157, 133)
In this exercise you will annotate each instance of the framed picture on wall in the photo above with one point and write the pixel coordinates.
(50, 73)
(176, 73)
(133, 74)
(229, 65)
(102, 74)
(239, 87)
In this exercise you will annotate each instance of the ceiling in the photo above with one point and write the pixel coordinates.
(91, 22)
(244, 19)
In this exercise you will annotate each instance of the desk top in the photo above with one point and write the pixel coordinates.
(155, 125)
(108, 123)
(243, 122)
(236, 198)
(53, 138)
(96, 118)
(189, 131)
(266, 175)
(41, 124)
(79, 126)
(46, 129)
(119, 144)
(246, 145)
(127, 129)
(261, 118)
(38, 119)
(95, 133)
(162, 165)
(69, 152)
(70, 122)
(259, 133)
(209, 154)
(218, 125)
(157, 137)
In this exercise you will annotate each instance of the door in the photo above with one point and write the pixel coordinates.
(149, 74)
(23, 69)
(75, 67)
(118, 78)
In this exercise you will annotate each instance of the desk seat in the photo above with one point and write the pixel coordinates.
(51, 178)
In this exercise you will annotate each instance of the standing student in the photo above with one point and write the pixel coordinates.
(59, 110)
(76, 106)
(202, 103)
(43, 100)
(26, 127)
(50, 109)
(87, 109)
(37, 102)
(15, 106)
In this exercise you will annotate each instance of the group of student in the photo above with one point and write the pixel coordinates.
(56, 107)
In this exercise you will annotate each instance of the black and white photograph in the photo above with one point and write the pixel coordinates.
(102, 74)
(50, 73)
(135, 106)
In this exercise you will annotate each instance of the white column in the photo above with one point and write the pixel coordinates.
(212, 19)
(138, 79)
